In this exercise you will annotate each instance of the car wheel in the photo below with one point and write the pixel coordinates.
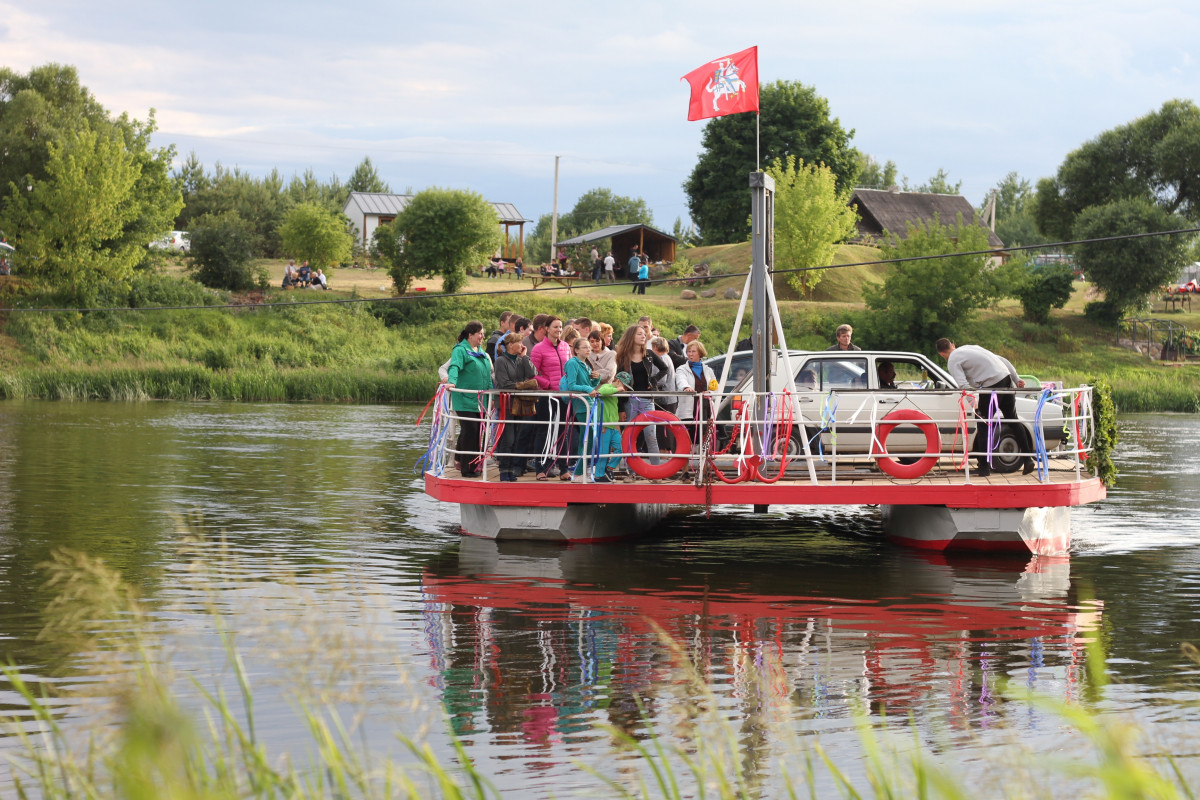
(795, 445)
(1006, 456)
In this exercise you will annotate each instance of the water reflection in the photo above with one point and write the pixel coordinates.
(531, 640)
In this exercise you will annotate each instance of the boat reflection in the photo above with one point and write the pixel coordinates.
(542, 641)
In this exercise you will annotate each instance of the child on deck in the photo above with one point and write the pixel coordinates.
(610, 436)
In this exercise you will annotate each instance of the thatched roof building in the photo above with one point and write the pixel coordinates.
(882, 210)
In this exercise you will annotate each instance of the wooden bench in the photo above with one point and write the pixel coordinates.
(565, 280)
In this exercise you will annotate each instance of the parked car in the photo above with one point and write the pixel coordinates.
(741, 363)
(175, 240)
(919, 384)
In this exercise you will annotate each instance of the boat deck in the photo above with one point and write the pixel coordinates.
(852, 483)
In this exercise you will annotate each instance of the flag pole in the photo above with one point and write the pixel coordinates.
(757, 157)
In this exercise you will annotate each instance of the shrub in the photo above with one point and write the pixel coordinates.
(1044, 289)
(222, 253)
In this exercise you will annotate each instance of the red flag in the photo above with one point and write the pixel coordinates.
(723, 86)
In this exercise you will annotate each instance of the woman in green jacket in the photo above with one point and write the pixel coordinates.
(579, 378)
(470, 368)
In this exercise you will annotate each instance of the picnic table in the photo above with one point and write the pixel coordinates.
(565, 280)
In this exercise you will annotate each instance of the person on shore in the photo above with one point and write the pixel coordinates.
(631, 270)
(975, 367)
(318, 280)
(610, 265)
(550, 357)
(519, 268)
(597, 265)
(842, 335)
(514, 373)
(643, 276)
(470, 368)
(696, 379)
(289, 274)
(304, 275)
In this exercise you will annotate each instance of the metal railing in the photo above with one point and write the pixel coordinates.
(736, 437)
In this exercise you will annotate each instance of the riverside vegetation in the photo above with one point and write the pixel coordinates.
(151, 731)
(389, 350)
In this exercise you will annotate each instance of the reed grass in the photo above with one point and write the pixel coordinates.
(149, 741)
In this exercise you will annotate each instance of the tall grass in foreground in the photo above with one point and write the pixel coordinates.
(148, 745)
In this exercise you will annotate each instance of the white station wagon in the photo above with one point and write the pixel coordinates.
(846, 386)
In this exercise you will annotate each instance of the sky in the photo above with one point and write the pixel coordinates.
(484, 95)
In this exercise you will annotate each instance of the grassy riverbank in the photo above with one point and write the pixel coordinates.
(388, 351)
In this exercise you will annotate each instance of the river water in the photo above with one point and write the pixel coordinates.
(302, 530)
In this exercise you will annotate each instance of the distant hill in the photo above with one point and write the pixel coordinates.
(837, 285)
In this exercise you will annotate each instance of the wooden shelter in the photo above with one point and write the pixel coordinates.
(657, 245)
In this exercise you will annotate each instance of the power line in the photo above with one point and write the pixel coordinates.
(411, 297)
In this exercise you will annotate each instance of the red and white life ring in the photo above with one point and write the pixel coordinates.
(683, 445)
(933, 443)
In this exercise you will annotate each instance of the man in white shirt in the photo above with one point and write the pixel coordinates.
(972, 366)
(610, 266)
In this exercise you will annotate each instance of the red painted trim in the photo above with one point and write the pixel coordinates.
(558, 494)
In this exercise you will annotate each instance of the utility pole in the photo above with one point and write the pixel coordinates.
(554, 215)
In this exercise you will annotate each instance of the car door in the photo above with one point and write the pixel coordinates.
(837, 386)
(921, 387)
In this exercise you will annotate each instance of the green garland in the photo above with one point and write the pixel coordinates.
(1104, 438)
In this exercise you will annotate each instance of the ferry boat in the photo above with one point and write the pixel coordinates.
(903, 446)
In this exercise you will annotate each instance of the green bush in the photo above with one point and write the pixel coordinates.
(1044, 289)
(223, 251)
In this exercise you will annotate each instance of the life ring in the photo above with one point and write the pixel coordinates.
(933, 443)
(683, 445)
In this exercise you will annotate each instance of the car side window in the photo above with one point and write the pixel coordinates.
(911, 375)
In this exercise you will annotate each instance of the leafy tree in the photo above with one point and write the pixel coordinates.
(596, 208)
(873, 175)
(1130, 269)
(811, 217)
(1143, 174)
(365, 178)
(938, 184)
(222, 253)
(310, 232)
(795, 121)
(81, 193)
(1015, 200)
(71, 224)
(442, 231)
(920, 301)
(35, 109)
(685, 234)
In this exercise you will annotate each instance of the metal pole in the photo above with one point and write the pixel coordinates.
(554, 215)
(762, 232)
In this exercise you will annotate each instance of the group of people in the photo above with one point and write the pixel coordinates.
(580, 358)
(304, 277)
(497, 266)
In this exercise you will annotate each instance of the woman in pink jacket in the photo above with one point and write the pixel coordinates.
(550, 357)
